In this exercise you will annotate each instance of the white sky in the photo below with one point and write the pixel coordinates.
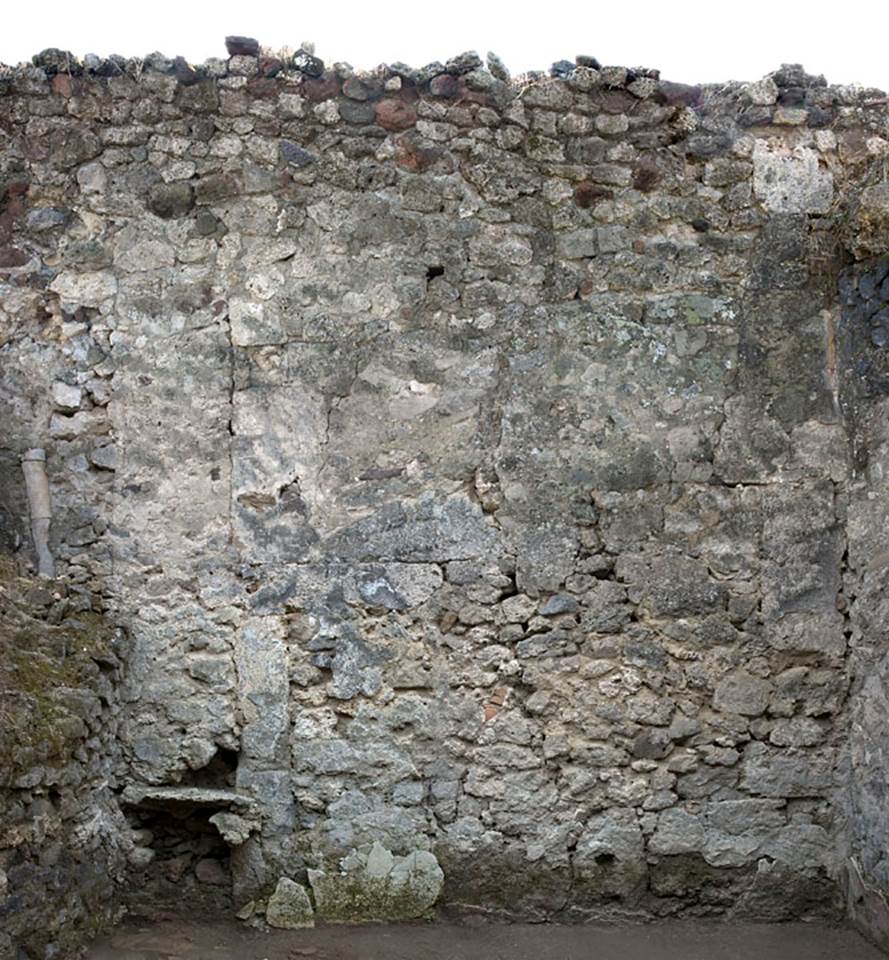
(689, 41)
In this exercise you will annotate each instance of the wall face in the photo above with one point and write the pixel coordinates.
(465, 460)
(61, 829)
(864, 312)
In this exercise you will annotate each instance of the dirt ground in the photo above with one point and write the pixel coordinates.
(178, 940)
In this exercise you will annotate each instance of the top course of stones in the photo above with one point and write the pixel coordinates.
(787, 96)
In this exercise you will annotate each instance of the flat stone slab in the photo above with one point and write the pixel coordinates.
(136, 795)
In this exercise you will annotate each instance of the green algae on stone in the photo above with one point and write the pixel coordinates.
(44, 669)
(378, 886)
(289, 907)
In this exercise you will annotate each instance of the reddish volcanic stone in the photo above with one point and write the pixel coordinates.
(270, 66)
(12, 257)
(15, 188)
(646, 178)
(679, 93)
(475, 96)
(264, 87)
(588, 194)
(63, 84)
(412, 156)
(396, 114)
(12, 205)
(322, 88)
(242, 47)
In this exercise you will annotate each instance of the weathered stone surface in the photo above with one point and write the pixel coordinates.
(609, 857)
(294, 154)
(171, 200)
(234, 828)
(395, 114)
(64, 839)
(242, 46)
(739, 692)
(763, 93)
(90, 289)
(870, 221)
(52, 61)
(289, 907)
(770, 773)
(65, 396)
(487, 468)
(677, 832)
(378, 886)
(791, 181)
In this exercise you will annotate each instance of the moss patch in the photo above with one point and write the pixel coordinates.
(357, 898)
(45, 669)
(377, 886)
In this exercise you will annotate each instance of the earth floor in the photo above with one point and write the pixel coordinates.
(183, 940)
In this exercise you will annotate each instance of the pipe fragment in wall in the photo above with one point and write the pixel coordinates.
(40, 507)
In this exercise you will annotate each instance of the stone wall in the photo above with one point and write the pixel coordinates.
(62, 836)
(478, 468)
(864, 312)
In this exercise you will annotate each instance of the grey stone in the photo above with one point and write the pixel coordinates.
(739, 692)
(105, 457)
(519, 608)
(560, 603)
(88, 289)
(289, 907)
(791, 181)
(771, 773)
(378, 591)
(65, 396)
(357, 112)
(577, 244)
(235, 829)
(46, 218)
(677, 832)
(294, 154)
(497, 67)
(561, 68)
(171, 200)
(198, 796)
(762, 93)
(652, 744)
(419, 877)
(140, 857)
(464, 63)
(379, 861)
(53, 61)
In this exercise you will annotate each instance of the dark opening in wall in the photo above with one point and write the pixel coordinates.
(190, 866)
(218, 774)
(434, 271)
